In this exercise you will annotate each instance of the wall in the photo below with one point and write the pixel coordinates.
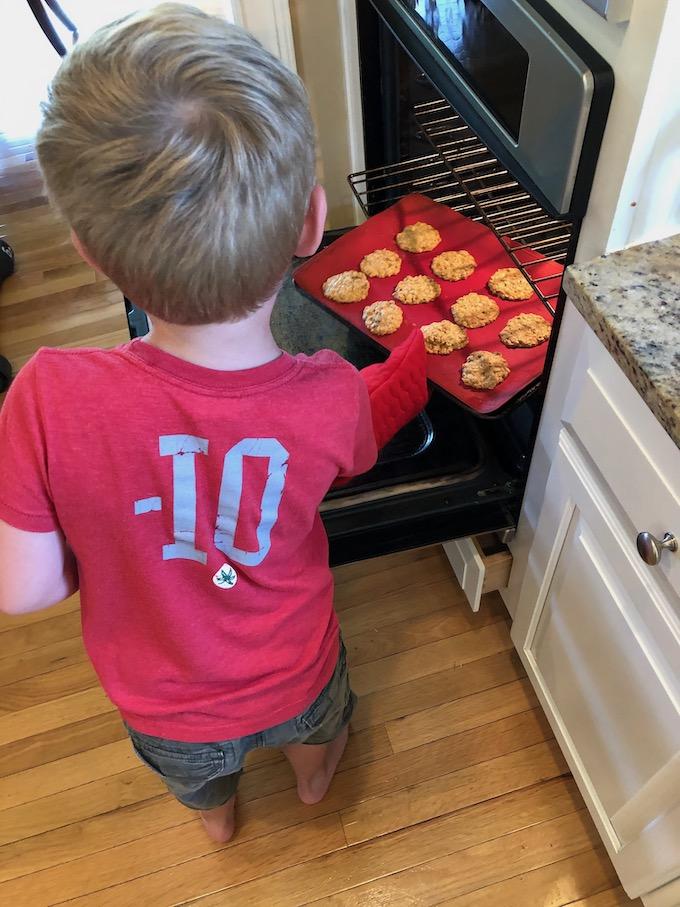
(324, 32)
(269, 21)
(656, 194)
(641, 53)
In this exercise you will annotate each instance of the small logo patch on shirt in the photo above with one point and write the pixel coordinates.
(225, 577)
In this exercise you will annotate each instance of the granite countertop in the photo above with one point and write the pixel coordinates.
(631, 299)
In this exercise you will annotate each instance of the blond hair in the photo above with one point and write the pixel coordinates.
(181, 153)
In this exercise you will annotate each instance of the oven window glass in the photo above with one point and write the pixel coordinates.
(493, 63)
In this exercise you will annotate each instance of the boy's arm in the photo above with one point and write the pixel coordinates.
(365, 452)
(37, 569)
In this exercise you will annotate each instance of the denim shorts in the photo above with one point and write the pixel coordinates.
(206, 775)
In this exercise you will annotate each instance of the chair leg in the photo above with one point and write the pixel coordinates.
(63, 18)
(43, 19)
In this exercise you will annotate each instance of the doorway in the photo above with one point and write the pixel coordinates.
(28, 61)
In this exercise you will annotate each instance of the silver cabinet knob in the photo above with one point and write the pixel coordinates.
(650, 548)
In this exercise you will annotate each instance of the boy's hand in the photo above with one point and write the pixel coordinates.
(37, 570)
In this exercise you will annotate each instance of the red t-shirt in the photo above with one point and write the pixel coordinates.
(190, 500)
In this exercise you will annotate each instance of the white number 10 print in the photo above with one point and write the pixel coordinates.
(183, 450)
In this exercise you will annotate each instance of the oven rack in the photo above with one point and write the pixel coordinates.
(463, 174)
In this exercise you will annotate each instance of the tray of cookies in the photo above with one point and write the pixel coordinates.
(420, 265)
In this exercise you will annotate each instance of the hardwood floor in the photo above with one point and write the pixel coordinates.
(452, 790)
(54, 298)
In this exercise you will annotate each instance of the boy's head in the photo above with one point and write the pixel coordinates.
(182, 155)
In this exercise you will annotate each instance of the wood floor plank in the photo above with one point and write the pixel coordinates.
(63, 774)
(76, 299)
(449, 792)
(398, 606)
(417, 631)
(433, 689)
(553, 885)
(461, 714)
(431, 658)
(389, 854)
(474, 867)
(404, 577)
(371, 566)
(41, 661)
(50, 686)
(78, 803)
(235, 865)
(23, 638)
(23, 620)
(51, 715)
(66, 325)
(614, 897)
(69, 337)
(35, 858)
(65, 740)
(26, 292)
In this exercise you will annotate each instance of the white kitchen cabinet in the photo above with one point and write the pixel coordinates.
(597, 628)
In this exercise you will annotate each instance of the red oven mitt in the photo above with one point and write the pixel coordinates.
(397, 389)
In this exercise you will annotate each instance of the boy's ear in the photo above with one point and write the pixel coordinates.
(314, 225)
(84, 254)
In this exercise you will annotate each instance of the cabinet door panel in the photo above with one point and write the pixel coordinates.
(590, 643)
(598, 675)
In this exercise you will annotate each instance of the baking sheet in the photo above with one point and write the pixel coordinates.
(457, 232)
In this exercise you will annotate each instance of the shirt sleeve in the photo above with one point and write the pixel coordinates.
(25, 500)
(365, 452)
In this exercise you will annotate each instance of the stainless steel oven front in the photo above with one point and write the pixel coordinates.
(528, 84)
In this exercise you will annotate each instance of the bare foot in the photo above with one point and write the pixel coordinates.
(220, 823)
(313, 790)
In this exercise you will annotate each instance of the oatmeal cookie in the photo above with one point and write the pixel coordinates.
(509, 283)
(348, 286)
(442, 337)
(381, 263)
(383, 317)
(474, 310)
(418, 237)
(453, 265)
(484, 371)
(525, 330)
(414, 290)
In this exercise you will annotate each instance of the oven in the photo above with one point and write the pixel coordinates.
(495, 108)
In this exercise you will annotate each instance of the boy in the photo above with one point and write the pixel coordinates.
(176, 480)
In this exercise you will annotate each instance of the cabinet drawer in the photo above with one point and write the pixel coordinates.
(481, 563)
(637, 459)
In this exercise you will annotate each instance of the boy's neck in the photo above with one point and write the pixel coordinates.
(229, 346)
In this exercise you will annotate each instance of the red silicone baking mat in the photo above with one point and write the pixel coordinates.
(457, 232)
